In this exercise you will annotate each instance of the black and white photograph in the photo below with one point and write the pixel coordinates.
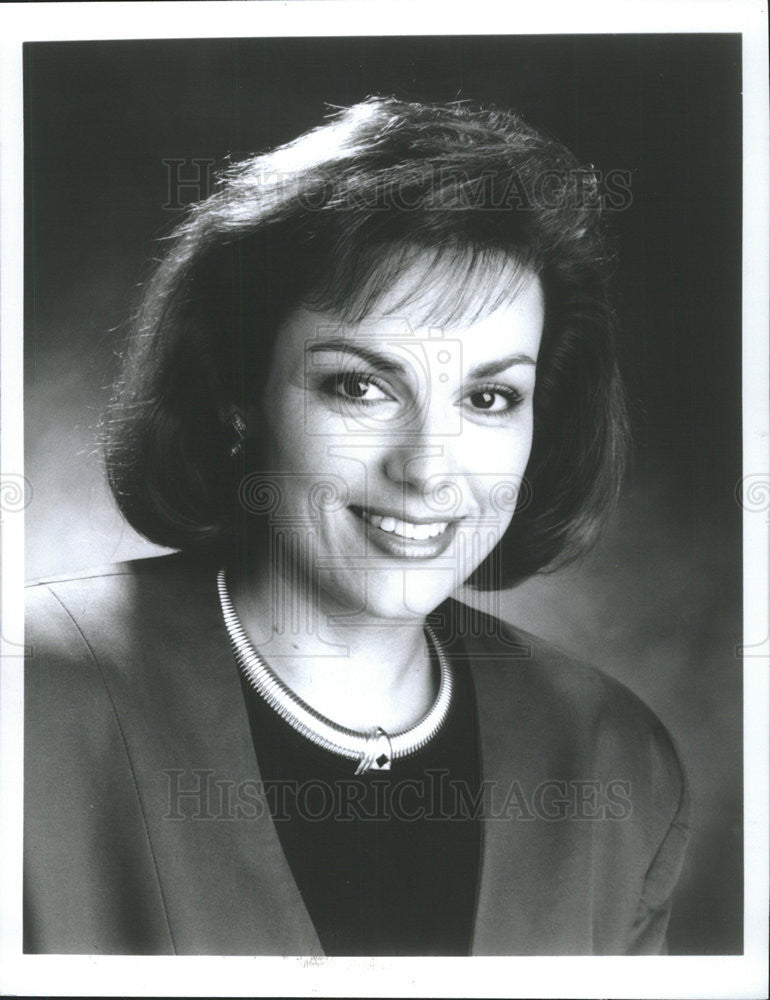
(388, 478)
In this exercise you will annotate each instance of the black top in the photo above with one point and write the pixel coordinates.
(387, 862)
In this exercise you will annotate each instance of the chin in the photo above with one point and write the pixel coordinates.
(399, 595)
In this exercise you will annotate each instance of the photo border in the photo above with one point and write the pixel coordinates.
(673, 976)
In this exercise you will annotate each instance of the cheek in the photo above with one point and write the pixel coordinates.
(315, 477)
(499, 463)
(501, 452)
(503, 457)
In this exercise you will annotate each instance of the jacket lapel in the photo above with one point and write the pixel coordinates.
(186, 726)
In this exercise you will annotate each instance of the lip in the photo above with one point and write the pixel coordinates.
(401, 547)
(401, 515)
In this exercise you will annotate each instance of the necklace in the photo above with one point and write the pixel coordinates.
(374, 750)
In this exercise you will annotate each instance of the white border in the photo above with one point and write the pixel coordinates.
(672, 977)
(307, 18)
(756, 463)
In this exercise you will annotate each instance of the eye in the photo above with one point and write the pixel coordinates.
(487, 400)
(496, 400)
(358, 387)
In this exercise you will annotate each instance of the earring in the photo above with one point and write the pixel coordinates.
(238, 424)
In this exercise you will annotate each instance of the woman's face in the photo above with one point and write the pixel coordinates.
(396, 450)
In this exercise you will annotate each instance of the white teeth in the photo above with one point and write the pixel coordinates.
(420, 532)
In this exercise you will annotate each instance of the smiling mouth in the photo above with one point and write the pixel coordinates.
(403, 539)
(406, 529)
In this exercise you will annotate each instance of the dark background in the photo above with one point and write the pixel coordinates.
(658, 603)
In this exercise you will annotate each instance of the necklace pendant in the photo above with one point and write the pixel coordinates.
(378, 753)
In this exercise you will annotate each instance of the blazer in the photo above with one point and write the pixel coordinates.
(136, 728)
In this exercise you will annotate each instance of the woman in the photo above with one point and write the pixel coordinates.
(372, 366)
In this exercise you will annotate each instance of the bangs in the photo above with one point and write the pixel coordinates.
(443, 286)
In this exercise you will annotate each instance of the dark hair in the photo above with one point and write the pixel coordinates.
(331, 220)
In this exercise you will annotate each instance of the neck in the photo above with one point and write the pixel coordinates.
(356, 669)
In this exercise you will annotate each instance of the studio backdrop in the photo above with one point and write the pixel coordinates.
(121, 136)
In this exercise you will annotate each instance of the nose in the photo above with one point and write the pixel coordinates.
(424, 463)
(415, 465)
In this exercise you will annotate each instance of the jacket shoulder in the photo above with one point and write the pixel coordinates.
(74, 621)
(148, 567)
(519, 660)
(526, 684)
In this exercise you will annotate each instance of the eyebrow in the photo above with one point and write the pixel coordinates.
(500, 365)
(386, 364)
(374, 358)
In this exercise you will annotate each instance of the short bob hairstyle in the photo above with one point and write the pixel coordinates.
(332, 220)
